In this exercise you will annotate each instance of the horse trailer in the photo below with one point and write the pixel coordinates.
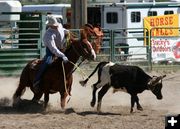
(126, 20)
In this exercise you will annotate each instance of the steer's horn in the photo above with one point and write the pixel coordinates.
(162, 77)
(155, 80)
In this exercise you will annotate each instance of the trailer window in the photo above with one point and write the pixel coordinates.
(168, 12)
(152, 13)
(135, 17)
(112, 17)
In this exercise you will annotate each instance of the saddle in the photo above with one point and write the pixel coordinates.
(35, 64)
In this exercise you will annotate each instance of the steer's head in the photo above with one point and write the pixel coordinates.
(155, 85)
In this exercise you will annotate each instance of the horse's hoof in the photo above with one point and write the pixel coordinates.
(16, 102)
(62, 107)
(14, 105)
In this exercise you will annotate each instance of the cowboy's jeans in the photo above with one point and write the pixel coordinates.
(46, 61)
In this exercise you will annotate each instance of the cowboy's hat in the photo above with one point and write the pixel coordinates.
(52, 21)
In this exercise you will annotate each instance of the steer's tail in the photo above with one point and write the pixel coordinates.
(98, 67)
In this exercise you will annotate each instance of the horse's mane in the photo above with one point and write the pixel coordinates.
(70, 47)
(85, 30)
(83, 35)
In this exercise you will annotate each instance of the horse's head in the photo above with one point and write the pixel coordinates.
(85, 48)
(87, 32)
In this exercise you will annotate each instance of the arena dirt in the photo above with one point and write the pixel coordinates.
(78, 113)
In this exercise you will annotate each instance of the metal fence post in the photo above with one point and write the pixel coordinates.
(42, 31)
(150, 50)
(112, 45)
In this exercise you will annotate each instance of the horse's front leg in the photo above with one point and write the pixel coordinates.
(46, 99)
(63, 99)
(37, 96)
(66, 91)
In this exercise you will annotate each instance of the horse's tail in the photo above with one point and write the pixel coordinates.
(24, 81)
(98, 67)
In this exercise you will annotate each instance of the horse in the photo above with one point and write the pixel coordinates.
(55, 79)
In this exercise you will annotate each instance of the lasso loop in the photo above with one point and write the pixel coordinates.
(65, 86)
(82, 73)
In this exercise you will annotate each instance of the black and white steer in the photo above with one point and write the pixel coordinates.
(130, 79)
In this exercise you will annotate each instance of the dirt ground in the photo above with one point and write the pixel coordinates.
(78, 113)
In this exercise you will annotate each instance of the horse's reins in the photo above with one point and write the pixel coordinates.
(77, 66)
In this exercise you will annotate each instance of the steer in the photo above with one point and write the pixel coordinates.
(131, 79)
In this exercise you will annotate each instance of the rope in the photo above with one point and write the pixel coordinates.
(77, 66)
(167, 79)
(65, 86)
(170, 78)
(82, 73)
(68, 40)
(64, 76)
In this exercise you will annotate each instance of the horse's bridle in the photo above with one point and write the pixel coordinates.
(79, 53)
(76, 51)
(82, 60)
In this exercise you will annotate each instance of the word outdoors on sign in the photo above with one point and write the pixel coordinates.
(165, 49)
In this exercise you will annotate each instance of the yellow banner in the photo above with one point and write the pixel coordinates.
(161, 25)
(162, 21)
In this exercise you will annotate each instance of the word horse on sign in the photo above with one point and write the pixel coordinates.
(130, 79)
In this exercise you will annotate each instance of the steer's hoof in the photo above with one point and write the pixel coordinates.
(92, 104)
(99, 112)
(131, 111)
(139, 108)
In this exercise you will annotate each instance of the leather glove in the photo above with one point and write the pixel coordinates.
(65, 59)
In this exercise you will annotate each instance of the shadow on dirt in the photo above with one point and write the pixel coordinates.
(23, 106)
(95, 113)
(28, 106)
(85, 113)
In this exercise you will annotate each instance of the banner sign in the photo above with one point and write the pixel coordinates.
(165, 49)
(165, 21)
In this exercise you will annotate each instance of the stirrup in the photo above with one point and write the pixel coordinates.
(35, 84)
(36, 87)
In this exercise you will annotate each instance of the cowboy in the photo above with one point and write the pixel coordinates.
(55, 43)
